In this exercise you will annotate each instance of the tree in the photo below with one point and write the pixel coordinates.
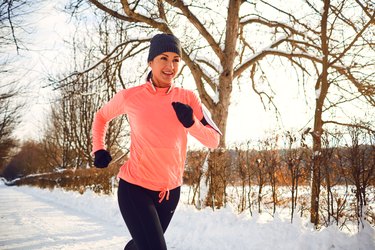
(345, 66)
(11, 22)
(296, 164)
(12, 29)
(29, 160)
(82, 94)
(334, 40)
(9, 118)
(361, 166)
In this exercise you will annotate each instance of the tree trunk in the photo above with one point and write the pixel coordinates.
(216, 178)
(315, 184)
(217, 184)
(321, 90)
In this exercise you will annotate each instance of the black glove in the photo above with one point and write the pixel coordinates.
(184, 114)
(102, 158)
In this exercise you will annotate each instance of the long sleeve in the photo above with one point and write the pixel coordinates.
(112, 109)
(205, 134)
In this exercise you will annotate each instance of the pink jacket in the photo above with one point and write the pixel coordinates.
(158, 139)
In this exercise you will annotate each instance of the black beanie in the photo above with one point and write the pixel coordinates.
(163, 43)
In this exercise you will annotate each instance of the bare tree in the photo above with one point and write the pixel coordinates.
(326, 42)
(335, 73)
(9, 119)
(242, 172)
(247, 172)
(52, 141)
(328, 180)
(29, 160)
(81, 94)
(11, 16)
(260, 174)
(296, 162)
(12, 29)
(271, 160)
(361, 168)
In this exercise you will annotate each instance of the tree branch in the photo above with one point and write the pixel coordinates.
(359, 34)
(271, 24)
(162, 26)
(294, 19)
(111, 12)
(256, 57)
(104, 59)
(350, 125)
(199, 26)
(161, 10)
(366, 10)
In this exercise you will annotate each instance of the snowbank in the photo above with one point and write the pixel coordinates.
(202, 229)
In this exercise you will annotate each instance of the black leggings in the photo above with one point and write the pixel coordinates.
(145, 217)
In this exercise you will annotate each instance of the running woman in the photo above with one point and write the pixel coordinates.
(160, 115)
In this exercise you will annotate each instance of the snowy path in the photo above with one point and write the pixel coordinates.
(31, 218)
(29, 222)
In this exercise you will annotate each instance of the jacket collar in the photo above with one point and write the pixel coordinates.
(153, 89)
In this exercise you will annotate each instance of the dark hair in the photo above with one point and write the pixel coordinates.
(149, 76)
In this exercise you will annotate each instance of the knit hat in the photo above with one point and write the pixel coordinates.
(163, 43)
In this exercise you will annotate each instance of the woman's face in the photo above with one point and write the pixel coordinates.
(164, 69)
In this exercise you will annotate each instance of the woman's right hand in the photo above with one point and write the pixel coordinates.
(102, 158)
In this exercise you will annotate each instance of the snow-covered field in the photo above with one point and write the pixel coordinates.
(31, 218)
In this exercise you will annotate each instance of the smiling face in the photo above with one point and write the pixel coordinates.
(164, 69)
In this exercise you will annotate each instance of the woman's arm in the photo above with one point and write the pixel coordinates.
(208, 135)
(112, 109)
(205, 134)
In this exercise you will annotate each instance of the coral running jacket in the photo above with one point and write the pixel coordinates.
(158, 139)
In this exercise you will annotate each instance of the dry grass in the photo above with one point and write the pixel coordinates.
(98, 180)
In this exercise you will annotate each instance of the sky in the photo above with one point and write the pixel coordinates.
(48, 26)
(33, 218)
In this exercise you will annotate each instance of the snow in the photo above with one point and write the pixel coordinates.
(33, 218)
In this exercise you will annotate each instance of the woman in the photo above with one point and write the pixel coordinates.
(160, 116)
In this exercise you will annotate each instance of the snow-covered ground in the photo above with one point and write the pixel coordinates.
(31, 218)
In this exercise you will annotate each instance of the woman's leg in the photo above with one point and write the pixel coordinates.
(140, 216)
(145, 218)
(165, 212)
(131, 246)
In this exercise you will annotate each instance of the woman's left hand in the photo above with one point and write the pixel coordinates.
(184, 113)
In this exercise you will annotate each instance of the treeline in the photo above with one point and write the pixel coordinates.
(255, 176)
(272, 177)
